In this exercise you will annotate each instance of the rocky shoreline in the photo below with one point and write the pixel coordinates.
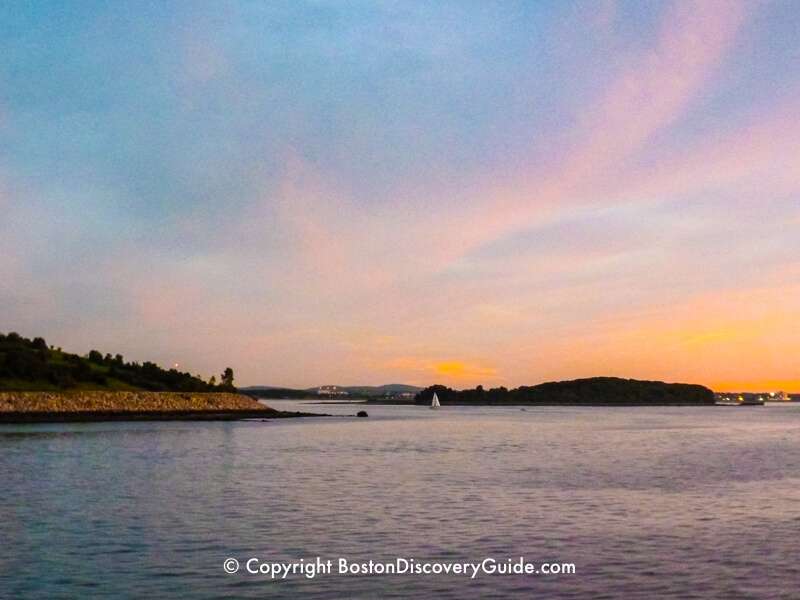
(58, 407)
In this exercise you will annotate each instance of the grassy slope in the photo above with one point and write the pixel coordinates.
(30, 366)
(57, 357)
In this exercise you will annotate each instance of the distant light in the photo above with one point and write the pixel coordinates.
(175, 366)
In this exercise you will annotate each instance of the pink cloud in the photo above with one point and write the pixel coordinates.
(661, 85)
(653, 92)
(757, 161)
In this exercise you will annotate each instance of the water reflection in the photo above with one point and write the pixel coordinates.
(647, 502)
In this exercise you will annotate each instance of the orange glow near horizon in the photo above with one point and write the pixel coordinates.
(462, 371)
(790, 387)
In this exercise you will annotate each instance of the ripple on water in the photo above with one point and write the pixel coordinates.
(675, 502)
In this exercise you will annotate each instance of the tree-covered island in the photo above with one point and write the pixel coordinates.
(43, 384)
(33, 366)
(597, 391)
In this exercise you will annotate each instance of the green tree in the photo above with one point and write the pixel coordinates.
(227, 379)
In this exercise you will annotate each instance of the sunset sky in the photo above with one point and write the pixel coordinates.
(359, 193)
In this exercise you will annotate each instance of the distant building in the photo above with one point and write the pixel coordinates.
(751, 398)
(330, 390)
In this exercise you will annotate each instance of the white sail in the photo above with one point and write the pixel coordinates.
(435, 401)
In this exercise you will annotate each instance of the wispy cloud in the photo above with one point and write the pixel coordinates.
(660, 86)
(502, 193)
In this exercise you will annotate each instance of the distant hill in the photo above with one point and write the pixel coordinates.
(249, 388)
(276, 393)
(606, 391)
(381, 390)
(361, 391)
(33, 366)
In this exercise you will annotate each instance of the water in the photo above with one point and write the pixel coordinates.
(645, 502)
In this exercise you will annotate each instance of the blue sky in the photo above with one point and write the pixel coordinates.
(362, 192)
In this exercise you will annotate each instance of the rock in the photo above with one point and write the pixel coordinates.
(82, 401)
(362, 413)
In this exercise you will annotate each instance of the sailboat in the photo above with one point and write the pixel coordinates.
(435, 401)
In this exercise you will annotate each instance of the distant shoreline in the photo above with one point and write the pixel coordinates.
(535, 404)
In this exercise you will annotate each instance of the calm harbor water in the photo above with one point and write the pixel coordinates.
(645, 502)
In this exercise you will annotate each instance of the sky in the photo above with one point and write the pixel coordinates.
(494, 193)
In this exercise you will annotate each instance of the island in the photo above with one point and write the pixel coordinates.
(43, 384)
(594, 391)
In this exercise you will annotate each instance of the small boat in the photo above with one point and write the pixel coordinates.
(751, 401)
(435, 401)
